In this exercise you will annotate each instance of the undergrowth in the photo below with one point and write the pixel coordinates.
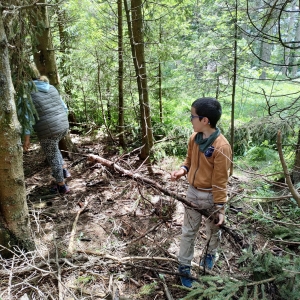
(266, 277)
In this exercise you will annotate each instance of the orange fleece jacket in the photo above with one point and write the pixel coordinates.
(209, 172)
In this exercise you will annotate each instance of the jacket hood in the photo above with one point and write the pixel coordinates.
(42, 86)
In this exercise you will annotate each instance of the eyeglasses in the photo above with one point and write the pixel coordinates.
(199, 117)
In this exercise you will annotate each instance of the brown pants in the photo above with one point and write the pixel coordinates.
(191, 224)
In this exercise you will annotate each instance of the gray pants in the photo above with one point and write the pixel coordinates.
(191, 224)
(53, 154)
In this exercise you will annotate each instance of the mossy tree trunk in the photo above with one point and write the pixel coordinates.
(43, 52)
(44, 58)
(14, 222)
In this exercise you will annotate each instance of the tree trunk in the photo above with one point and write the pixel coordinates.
(13, 206)
(287, 52)
(120, 79)
(234, 83)
(135, 29)
(160, 80)
(43, 52)
(160, 93)
(44, 58)
(295, 56)
(63, 47)
(296, 169)
(265, 54)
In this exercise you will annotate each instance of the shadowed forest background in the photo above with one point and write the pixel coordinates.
(128, 72)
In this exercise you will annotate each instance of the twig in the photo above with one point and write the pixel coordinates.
(286, 242)
(86, 292)
(73, 232)
(141, 236)
(166, 289)
(270, 198)
(287, 176)
(59, 285)
(10, 278)
(261, 281)
(158, 270)
(230, 270)
(134, 282)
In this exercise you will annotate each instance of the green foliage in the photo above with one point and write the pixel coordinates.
(85, 279)
(264, 269)
(264, 265)
(173, 143)
(285, 233)
(148, 289)
(25, 109)
(260, 131)
(214, 288)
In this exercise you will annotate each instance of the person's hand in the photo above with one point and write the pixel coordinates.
(175, 175)
(219, 215)
(26, 143)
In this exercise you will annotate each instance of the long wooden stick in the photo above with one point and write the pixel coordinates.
(287, 176)
(73, 232)
(138, 177)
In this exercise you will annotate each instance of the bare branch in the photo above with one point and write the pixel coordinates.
(292, 189)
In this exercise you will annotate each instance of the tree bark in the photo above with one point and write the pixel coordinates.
(296, 169)
(44, 58)
(135, 29)
(120, 78)
(43, 52)
(290, 32)
(234, 84)
(295, 57)
(64, 70)
(13, 206)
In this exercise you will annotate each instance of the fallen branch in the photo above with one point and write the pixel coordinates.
(139, 178)
(59, 280)
(287, 176)
(73, 232)
(286, 242)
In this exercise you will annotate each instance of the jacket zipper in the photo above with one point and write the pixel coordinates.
(197, 167)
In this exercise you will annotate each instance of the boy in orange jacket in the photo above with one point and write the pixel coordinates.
(206, 166)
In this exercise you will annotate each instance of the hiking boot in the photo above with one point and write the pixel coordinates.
(209, 261)
(61, 189)
(185, 270)
(66, 173)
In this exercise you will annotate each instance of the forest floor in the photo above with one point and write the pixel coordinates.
(111, 237)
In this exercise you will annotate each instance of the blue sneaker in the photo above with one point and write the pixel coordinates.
(209, 261)
(185, 270)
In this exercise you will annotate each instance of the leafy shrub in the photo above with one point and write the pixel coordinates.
(258, 131)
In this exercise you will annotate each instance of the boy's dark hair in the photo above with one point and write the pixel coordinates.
(209, 108)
